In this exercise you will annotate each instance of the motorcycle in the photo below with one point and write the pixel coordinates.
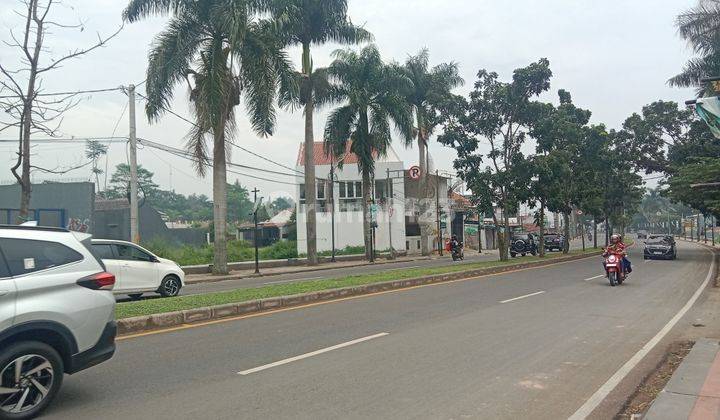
(457, 252)
(614, 268)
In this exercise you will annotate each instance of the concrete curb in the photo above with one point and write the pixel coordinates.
(189, 316)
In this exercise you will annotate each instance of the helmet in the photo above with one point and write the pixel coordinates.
(454, 237)
(615, 238)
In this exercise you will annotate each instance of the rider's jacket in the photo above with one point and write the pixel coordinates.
(616, 248)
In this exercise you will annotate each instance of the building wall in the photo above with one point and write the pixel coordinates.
(348, 224)
(76, 199)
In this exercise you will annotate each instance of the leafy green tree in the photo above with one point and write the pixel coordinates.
(500, 113)
(239, 203)
(222, 51)
(282, 203)
(431, 87)
(307, 23)
(371, 95)
(120, 182)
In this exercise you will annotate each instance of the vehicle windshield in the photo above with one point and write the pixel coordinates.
(658, 240)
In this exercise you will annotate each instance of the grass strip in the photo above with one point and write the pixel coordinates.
(156, 306)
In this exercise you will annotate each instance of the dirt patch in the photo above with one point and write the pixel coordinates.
(654, 382)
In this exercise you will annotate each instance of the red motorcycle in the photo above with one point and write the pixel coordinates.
(614, 268)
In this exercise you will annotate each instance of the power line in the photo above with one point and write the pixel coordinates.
(76, 92)
(183, 154)
(70, 140)
(232, 143)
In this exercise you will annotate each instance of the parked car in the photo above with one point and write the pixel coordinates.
(523, 244)
(56, 314)
(554, 241)
(138, 270)
(660, 246)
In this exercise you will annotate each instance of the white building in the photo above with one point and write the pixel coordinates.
(397, 213)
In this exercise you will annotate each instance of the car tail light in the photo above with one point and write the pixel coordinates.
(98, 281)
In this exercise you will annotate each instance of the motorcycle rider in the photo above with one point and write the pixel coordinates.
(455, 245)
(618, 247)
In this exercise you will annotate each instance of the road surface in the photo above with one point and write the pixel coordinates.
(527, 344)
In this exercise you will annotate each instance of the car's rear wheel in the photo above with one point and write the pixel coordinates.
(170, 286)
(31, 374)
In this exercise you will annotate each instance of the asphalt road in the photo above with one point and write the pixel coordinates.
(527, 344)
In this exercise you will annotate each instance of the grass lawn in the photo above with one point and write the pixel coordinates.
(155, 306)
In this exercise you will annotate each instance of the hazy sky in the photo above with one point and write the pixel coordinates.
(614, 56)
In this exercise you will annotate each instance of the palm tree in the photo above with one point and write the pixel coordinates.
(700, 26)
(372, 95)
(431, 86)
(307, 23)
(221, 51)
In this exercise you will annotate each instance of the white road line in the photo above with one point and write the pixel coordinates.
(596, 277)
(599, 395)
(311, 354)
(523, 297)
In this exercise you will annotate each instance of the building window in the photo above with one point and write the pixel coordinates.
(350, 189)
(321, 190)
(342, 190)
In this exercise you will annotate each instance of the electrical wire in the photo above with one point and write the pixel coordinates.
(76, 92)
(183, 154)
(230, 142)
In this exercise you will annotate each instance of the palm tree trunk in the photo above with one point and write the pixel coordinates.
(220, 205)
(422, 190)
(310, 188)
(367, 216)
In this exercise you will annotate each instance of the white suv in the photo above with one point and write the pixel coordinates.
(138, 270)
(56, 314)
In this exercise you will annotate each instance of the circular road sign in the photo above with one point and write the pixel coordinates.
(414, 172)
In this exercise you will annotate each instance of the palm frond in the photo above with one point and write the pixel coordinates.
(339, 126)
(139, 9)
(169, 61)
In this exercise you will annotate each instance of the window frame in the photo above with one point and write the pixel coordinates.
(46, 269)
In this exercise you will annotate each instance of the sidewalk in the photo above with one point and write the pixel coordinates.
(693, 391)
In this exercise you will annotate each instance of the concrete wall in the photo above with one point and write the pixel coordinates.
(76, 199)
(115, 224)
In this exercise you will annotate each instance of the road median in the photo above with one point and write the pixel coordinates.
(154, 314)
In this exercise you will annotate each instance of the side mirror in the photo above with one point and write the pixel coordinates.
(154, 259)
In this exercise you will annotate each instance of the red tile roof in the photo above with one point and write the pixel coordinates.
(321, 158)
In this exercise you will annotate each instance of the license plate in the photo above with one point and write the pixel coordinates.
(657, 252)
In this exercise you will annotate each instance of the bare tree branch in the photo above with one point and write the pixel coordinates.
(101, 42)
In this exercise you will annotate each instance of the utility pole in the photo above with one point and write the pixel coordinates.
(437, 211)
(255, 232)
(332, 210)
(134, 228)
(389, 195)
(704, 229)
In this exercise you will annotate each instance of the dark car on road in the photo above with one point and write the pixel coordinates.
(554, 241)
(660, 246)
(523, 244)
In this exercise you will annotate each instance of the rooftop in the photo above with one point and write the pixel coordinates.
(322, 158)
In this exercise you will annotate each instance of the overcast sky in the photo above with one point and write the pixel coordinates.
(614, 56)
